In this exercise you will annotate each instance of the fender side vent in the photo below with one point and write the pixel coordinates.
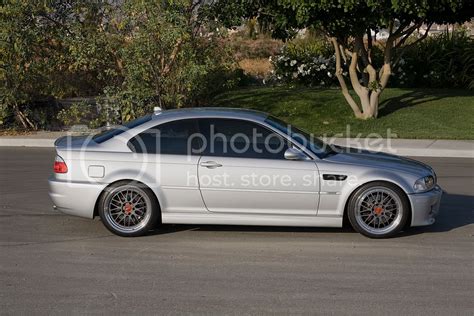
(334, 177)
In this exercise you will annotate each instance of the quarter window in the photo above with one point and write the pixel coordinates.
(172, 138)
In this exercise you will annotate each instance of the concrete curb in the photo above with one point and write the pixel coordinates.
(26, 142)
(402, 147)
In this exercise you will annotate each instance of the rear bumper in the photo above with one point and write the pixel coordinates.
(76, 199)
(425, 206)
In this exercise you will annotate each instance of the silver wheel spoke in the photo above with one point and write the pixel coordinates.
(127, 208)
(378, 210)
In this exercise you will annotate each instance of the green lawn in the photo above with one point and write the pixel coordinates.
(408, 113)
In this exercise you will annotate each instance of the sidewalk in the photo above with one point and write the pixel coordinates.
(402, 147)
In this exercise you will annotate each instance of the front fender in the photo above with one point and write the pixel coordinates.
(356, 181)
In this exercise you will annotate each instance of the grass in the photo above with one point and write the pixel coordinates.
(408, 113)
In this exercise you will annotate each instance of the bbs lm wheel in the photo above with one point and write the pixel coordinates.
(378, 210)
(128, 209)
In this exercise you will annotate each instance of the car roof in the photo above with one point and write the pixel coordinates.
(210, 112)
(179, 114)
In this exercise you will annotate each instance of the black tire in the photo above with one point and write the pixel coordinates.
(365, 211)
(129, 200)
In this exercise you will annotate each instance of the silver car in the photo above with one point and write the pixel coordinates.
(235, 167)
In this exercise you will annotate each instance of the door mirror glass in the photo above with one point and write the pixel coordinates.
(294, 154)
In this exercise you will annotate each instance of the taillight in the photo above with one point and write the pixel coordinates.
(59, 165)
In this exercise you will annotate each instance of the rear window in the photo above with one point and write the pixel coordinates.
(108, 134)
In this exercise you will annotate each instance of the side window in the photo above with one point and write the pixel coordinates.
(240, 138)
(172, 138)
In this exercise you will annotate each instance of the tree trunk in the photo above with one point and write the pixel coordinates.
(342, 81)
(368, 93)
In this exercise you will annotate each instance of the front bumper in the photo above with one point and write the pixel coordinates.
(425, 206)
(73, 198)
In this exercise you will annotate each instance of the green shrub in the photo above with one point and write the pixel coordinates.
(133, 55)
(5, 114)
(77, 113)
(445, 60)
(307, 61)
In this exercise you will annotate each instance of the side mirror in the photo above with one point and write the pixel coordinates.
(294, 154)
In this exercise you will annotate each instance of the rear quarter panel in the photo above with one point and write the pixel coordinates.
(172, 178)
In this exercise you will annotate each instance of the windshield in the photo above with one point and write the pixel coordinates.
(108, 134)
(314, 144)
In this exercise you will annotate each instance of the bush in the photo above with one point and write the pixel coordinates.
(445, 60)
(5, 114)
(43, 113)
(132, 56)
(77, 113)
(306, 61)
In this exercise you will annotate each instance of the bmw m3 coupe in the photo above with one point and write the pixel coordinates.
(235, 167)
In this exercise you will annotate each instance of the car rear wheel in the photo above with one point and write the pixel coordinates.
(129, 209)
(378, 210)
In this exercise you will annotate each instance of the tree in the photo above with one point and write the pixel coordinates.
(132, 54)
(25, 40)
(37, 55)
(352, 26)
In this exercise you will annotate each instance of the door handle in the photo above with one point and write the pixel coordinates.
(210, 164)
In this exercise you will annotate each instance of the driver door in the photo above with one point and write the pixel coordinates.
(244, 170)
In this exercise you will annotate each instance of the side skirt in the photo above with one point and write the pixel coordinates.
(252, 220)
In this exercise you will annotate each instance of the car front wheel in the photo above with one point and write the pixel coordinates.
(378, 210)
(128, 209)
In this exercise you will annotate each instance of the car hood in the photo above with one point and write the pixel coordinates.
(379, 160)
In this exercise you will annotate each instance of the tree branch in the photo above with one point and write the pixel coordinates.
(403, 48)
(342, 53)
(403, 40)
(353, 74)
(369, 45)
(174, 54)
(360, 48)
(342, 81)
(411, 29)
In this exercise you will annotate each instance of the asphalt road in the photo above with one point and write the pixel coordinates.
(55, 264)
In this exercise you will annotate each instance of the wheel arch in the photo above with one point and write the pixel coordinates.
(346, 202)
(128, 181)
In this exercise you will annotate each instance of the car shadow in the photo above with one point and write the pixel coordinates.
(175, 228)
(456, 211)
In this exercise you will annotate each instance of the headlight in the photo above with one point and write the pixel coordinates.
(424, 184)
